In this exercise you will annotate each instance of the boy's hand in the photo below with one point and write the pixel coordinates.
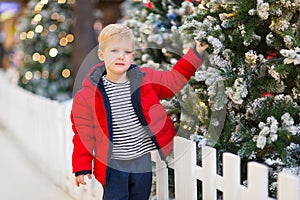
(80, 179)
(200, 47)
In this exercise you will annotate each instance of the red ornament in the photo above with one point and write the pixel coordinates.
(270, 55)
(149, 4)
(268, 94)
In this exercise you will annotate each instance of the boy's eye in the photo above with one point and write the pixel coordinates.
(128, 52)
(113, 50)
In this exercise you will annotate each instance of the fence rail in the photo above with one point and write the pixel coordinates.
(42, 128)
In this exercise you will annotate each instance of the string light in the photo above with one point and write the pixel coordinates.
(44, 2)
(44, 33)
(37, 17)
(24, 80)
(61, 18)
(36, 56)
(98, 26)
(53, 52)
(28, 75)
(27, 58)
(63, 41)
(45, 74)
(23, 36)
(30, 34)
(66, 73)
(70, 37)
(39, 6)
(42, 59)
(39, 28)
(55, 16)
(37, 74)
(62, 34)
(52, 28)
(61, 1)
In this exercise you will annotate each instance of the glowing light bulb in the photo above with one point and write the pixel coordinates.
(66, 73)
(44, 1)
(63, 42)
(37, 17)
(70, 38)
(39, 29)
(53, 52)
(28, 75)
(30, 34)
(23, 36)
(36, 56)
(37, 74)
(42, 59)
(52, 27)
(45, 74)
(61, 1)
(55, 16)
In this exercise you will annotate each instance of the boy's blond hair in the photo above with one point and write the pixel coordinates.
(114, 31)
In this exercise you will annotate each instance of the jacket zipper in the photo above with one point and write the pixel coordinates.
(136, 102)
(109, 122)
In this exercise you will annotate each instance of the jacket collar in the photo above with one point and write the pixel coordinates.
(95, 77)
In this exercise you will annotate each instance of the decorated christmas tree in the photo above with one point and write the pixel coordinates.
(254, 76)
(246, 98)
(45, 41)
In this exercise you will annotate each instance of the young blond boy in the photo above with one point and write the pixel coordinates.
(117, 117)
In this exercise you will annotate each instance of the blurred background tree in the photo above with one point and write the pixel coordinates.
(46, 39)
(80, 20)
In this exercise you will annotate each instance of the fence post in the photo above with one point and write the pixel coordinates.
(231, 176)
(162, 186)
(209, 170)
(184, 166)
(288, 187)
(257, 182)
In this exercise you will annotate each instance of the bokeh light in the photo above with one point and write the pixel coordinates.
(53, 52)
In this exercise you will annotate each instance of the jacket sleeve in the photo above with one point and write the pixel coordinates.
(168, 83)
(83, 139)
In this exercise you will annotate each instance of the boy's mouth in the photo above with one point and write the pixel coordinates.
(119, 64)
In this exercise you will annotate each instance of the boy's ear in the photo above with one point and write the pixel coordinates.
(100, 54)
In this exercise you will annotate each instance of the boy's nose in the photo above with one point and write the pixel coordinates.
(121, 55)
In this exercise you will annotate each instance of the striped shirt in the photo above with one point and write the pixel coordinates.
(130, 139)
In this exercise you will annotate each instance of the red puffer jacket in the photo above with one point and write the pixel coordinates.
(91, 113)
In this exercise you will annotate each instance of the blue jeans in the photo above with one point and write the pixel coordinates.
(129, 179)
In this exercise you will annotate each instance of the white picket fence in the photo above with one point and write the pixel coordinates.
(187, 172)
(42, 128)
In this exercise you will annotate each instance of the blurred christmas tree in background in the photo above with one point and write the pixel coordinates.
(45, 45)
(248, 92)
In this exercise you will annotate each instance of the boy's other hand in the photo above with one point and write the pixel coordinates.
(200, 47)
(80, 179)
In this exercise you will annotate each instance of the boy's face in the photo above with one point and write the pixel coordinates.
(117, 56)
